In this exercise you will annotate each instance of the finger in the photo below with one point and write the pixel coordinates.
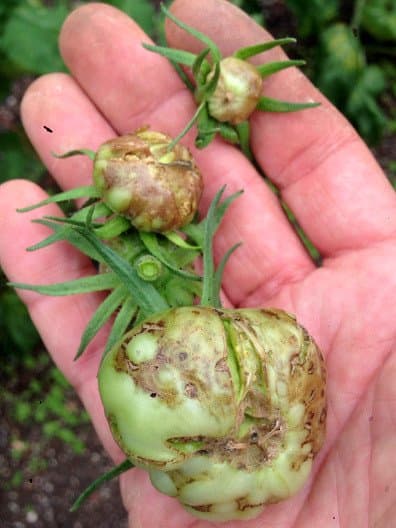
(137, 492)
(326, 174)
(59, 320)
(57, 101)
(131, 87)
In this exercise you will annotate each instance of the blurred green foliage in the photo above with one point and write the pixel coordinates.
(350, 48)
(347, 59)
(379, 19)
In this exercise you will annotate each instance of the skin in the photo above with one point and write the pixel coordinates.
(327, 176)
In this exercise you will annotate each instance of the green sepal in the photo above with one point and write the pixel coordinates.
(176, 239)
(113, 227)
(89, 284)
(229, 133)
(273, 67)
(76, 152)
(175, 55)
(100, 317)
(195, 232)
(267, 104)
(113, 473)
(214, 50)
(201, 67)
(150, 240)
(204, 91)
(149, 299)
(100, 210)
(207, 129)
(88, 191)
(250, 51)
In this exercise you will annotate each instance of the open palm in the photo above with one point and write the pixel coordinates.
(327, 177)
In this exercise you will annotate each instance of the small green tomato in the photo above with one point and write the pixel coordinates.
(237, 92)
(226, 409)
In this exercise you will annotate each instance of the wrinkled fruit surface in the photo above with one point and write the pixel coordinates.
(226, 409)
(139, 178)
(237, 92)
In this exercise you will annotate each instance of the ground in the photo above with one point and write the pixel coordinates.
(31, 496)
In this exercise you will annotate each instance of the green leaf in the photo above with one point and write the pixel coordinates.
(379, 19)
(218, 276)
(183, 77)
(30, 37)
(214, 50)
(64, 233)
(105, 281)
(100, 317)
(175, 55)
(188, 127)
(88, 191)
(272, 67)
(113, 473)
(68, 233)
(243, 130)
(122, 321)
(274, 105)
(211, 286)
(250, 51)
(76, 152)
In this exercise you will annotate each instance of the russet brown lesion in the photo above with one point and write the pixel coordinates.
(139, 178)
(264, 424)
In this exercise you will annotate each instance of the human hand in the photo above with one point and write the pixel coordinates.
(328, 178)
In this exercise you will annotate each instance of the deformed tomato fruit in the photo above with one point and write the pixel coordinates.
(225, 408)
(156, 187)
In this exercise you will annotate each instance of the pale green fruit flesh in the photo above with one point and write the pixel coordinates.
(225, 408)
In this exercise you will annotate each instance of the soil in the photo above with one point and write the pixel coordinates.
(43, 497)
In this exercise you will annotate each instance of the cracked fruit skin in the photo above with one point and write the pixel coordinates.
(225, 409)
(156, 189)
